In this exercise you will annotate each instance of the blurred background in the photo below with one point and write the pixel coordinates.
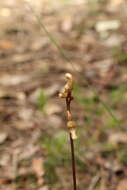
(41, 40)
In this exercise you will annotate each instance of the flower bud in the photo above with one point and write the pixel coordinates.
(71, 124)
(73, 133)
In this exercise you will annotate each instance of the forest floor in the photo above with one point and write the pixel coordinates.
(39, 42)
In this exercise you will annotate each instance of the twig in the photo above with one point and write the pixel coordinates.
(71, 125)
(94, 182)
(73, 162)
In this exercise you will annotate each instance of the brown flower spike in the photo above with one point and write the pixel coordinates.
(67, 93)
(71, 124)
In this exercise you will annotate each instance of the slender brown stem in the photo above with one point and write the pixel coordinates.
(73, 162)
(68, 102)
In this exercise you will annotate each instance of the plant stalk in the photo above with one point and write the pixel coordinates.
(73, 163)
(69, 98)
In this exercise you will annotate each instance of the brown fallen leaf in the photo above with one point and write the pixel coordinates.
(44, 188)
(114, 5)
(5, 45)
(122, 185)
(119, 137)
(4, 180)
(38, 167)
(13, 79)
(116, 2)
(3, 137)
(51, 108)
(66, 24)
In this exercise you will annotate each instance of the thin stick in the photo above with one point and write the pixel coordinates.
(69, 98)
(73, 162)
